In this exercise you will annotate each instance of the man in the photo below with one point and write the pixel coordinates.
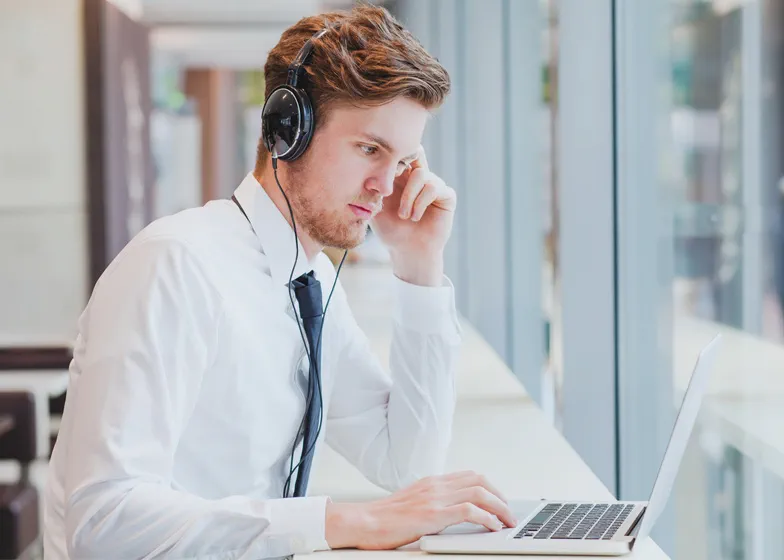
(192, 389)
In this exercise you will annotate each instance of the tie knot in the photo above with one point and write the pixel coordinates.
(308, 292)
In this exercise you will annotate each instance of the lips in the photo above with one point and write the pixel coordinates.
(361, 211)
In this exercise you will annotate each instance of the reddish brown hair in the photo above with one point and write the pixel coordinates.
(366, 58)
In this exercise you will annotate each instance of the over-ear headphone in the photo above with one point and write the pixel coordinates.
(287, 118)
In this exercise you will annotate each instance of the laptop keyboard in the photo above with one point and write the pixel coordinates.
(576, 521)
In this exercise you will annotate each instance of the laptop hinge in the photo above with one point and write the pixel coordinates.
(628, 531)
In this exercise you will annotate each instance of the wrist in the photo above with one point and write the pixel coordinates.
(346, 525)
(421, 270)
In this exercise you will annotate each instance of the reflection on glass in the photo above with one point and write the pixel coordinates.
(723, 170)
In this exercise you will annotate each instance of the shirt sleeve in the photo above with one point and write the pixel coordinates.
(147, 337)
(396, 428)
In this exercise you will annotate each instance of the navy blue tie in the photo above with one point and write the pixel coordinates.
(308, 292)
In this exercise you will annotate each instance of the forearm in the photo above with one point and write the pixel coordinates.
(421, 402)
(416, 419)
(148, 520)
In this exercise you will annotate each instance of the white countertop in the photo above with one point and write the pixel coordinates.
(498, 430)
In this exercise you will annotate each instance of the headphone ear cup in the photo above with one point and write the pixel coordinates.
(287, 122)
(307, 123)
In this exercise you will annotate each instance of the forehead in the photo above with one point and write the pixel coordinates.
(400, 122)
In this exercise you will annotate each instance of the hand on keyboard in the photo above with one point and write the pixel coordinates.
(426, 507)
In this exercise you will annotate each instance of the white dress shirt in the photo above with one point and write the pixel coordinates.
(186, 392)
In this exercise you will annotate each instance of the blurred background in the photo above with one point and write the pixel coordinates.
(620, 180)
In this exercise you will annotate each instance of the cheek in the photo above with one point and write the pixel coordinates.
(338, 188)
(342, 176)
(349, 180)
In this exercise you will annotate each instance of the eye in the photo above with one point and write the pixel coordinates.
(368, 150)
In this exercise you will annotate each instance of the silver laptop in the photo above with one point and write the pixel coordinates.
(580, 528)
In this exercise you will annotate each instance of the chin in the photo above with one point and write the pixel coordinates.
(349, 243)
(346, 238)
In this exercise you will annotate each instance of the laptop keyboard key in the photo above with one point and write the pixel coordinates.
(576, 521)
(538, 521)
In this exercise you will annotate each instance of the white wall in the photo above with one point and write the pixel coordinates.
(43, 237)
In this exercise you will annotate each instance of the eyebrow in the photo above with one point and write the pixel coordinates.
(384, 144)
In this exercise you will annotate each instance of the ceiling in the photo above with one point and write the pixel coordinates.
(222, 12)
(216, 46)
(242, 12)
(221, 33)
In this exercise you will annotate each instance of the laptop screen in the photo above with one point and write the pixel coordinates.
(681, 432)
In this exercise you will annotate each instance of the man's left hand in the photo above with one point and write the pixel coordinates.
(415, 223)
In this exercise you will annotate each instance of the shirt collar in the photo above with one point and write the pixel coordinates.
(273, 230)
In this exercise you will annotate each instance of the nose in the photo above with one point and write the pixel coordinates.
(383, 182)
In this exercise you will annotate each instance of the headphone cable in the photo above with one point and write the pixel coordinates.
(293, 468)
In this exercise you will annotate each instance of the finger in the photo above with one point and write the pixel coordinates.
(467, 479)
(421, 159)
(427, 196)
(486, 500)
(446, 198)
(466, 512)
(416, 182)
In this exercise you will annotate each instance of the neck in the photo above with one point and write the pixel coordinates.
(266, 177)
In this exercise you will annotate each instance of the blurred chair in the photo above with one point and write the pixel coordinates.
(40, 359)
(35, 357)
(19, 501)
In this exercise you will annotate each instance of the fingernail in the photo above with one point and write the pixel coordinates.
(403, 214)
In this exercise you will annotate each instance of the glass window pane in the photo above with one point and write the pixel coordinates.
(700, 252)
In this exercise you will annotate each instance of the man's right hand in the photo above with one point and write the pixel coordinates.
(424, 508)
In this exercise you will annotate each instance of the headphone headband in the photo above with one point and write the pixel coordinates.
(297, 67)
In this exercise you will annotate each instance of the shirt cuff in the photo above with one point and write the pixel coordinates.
(427, 309)
(303, 520)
